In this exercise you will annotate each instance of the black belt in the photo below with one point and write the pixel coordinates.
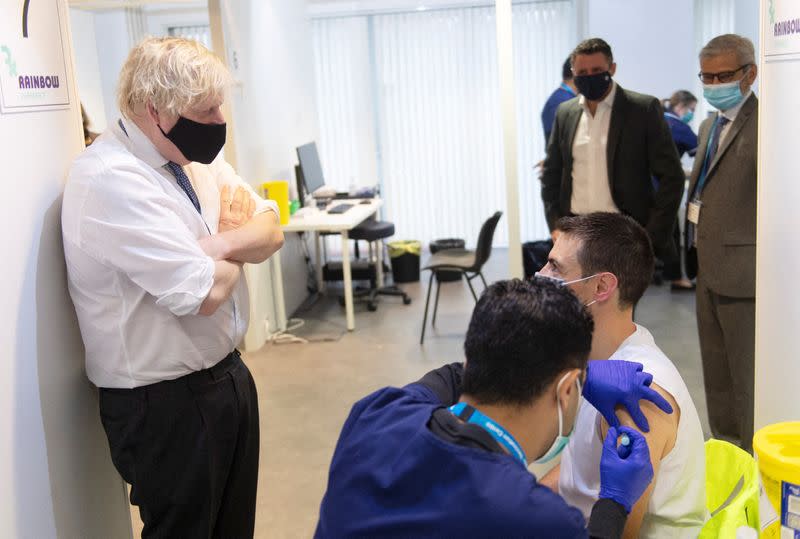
(193, 379)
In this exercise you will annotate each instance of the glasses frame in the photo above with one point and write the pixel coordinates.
(708, 78)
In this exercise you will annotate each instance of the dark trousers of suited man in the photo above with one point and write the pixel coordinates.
(721, 236)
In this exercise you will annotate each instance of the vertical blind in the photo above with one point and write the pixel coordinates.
(411, 101)
(201, 33)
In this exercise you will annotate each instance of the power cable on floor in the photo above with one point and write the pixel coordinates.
(285, 337)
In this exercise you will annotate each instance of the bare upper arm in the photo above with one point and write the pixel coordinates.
(660, 440)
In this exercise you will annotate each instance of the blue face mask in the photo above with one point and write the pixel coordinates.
(686, 118)
(723, 96)
(561, 440)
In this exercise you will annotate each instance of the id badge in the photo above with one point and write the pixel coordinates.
(693, 212)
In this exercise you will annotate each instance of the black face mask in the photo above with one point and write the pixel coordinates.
(593, 87)
(197, 142)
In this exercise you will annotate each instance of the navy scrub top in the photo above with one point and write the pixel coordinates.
(405, 466)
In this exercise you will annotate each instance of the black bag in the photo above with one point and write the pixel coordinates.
(534, 256)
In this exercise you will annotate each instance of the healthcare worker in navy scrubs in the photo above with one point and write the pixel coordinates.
(447, 456)
(679, 114)
(565, 91)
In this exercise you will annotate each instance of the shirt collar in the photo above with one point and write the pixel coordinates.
(138, 143)
(607, 102)
(733, 112)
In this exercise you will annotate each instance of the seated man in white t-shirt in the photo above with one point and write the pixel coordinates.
(607, 260)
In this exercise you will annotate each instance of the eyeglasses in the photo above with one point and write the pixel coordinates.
(725, 76)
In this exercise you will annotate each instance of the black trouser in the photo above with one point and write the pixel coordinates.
(189, 448)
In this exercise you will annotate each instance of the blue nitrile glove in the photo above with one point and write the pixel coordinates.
(612, 382)
(625, 478)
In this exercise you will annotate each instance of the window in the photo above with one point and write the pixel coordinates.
(411, 101)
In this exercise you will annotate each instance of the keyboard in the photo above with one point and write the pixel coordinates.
(340, 208)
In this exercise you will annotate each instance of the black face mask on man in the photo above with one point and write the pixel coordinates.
(593, 87)
(197, 142)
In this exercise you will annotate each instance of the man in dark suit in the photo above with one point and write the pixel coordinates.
(721, 235)
(605, 148)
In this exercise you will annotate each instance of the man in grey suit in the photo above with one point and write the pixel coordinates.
(721, 235)
(605, 148)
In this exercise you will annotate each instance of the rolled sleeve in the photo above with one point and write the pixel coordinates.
(129, 224)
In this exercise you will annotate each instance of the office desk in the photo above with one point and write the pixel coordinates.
(342, 223)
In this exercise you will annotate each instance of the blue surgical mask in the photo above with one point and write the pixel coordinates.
(561, 440)
(723, 96)
(688, 117)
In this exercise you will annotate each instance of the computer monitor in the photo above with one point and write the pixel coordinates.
(310, 167)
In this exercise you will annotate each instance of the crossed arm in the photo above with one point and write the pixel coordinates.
(242, 237)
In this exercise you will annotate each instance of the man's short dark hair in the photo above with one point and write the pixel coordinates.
(522, 335)
(566, 69)
(592, 46)
(615, 243)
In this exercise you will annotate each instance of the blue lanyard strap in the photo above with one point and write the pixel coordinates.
(502, 436)
(701, 183)
(567, 88)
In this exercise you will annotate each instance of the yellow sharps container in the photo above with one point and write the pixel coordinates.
(778, 450)
(278, 191)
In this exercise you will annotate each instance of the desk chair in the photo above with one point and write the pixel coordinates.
(462, 260)
(373, 232)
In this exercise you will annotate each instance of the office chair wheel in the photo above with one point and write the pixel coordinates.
(406, 300)
(371, 307)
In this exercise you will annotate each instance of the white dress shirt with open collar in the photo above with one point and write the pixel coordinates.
(591, 190)
(137, 274)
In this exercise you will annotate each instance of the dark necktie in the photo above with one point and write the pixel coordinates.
(722, 121)
(185, 184)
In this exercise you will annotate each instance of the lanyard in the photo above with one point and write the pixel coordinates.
(701, 183)
(469, 414)
(567, 88)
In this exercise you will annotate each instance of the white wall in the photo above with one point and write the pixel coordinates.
(111, 31)
(274, 112)
(87, 70)
(778, 259)
(57, 478)
(653, 42)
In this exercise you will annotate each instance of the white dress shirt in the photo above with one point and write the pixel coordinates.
(591, 190)
(137, 275)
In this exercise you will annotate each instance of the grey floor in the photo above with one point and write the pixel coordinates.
(306, 390)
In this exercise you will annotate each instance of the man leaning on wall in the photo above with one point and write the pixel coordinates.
(156, 229)
(721, 235)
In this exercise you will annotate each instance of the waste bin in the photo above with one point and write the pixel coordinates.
(777, 447)
(441, 245)
(405, 260)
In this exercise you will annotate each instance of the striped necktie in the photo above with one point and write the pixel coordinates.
(185, 184)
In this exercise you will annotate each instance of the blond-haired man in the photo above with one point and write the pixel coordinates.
(156, 228)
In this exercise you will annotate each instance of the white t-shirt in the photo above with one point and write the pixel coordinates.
(677, 507)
